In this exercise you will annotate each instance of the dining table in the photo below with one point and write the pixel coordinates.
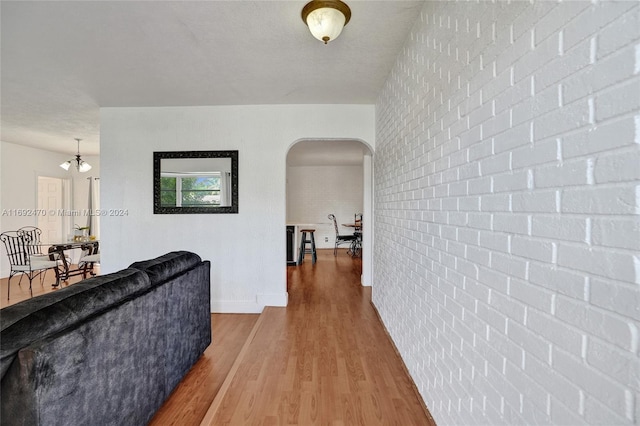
(355, 249)
(57, 250)
(356, 225)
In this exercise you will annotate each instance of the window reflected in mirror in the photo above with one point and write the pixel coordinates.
(196, 182)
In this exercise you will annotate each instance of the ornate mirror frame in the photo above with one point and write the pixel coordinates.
(160, 155)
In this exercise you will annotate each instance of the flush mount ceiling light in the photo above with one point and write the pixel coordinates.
(326, 18)
(81, 165)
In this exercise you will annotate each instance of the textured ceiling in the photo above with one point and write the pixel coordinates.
(63, 60)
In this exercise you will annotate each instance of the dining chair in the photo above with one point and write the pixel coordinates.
(357, 220)
(340, 238)
(22, 262)
(88, 258)
(356, 246)
(31, 235)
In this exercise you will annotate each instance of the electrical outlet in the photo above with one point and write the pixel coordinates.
(326, 239)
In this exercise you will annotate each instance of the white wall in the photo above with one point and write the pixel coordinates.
(248, 249)
(20, 167)
(506, 211)
(315, 191)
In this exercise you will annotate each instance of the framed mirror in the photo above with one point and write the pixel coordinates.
(187, 182)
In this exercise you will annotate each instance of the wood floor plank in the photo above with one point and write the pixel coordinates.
(231, 372)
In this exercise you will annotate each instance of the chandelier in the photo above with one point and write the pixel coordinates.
(81, 165)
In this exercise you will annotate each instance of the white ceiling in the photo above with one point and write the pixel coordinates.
(63, 60)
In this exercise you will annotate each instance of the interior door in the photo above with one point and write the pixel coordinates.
(50, 200)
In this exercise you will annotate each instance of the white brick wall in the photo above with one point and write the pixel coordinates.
(507, 211)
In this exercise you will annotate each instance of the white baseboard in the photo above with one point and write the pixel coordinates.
(249, 306)
(235, 307)
(273, 299)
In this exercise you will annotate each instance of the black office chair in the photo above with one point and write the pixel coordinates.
(340, 239)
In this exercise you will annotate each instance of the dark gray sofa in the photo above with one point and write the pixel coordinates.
(108, 350)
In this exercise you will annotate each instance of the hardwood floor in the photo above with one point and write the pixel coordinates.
(325, 359)
(20, 292)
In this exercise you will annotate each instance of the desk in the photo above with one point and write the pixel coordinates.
(56, 251)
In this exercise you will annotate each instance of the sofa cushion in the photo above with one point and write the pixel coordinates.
(46, 315)
(167, 266)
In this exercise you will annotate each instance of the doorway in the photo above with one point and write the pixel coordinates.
(335, 176)
(54, 199)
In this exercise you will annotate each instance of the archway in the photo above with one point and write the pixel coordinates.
(331, 176)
